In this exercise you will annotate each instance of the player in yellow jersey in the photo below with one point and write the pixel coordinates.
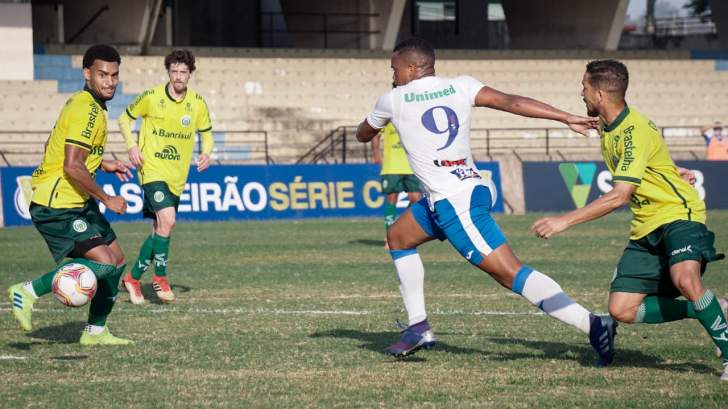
(171, 116)
(63, 204)
(669, 244)
(397, 176)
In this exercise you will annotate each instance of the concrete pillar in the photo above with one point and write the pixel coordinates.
(560, 24)
(719, 9)
(16, 47)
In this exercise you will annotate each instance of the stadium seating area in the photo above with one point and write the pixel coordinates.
(298, 100)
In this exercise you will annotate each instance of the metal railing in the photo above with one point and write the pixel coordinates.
(27, 147)
(323, 24)
(336, 147)
(341, 146)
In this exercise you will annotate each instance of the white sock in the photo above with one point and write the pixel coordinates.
(546, 294)
(29, 287)
(94, 329)
(411, 274)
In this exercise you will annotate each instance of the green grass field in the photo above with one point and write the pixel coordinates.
(297, 314)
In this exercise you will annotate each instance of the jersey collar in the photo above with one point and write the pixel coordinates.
(171, 98)
(618, 120)
(96, 98)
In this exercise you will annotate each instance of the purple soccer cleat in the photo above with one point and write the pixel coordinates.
(602, 331)
(414, 338)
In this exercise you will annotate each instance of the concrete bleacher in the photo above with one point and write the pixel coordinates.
(298, 99)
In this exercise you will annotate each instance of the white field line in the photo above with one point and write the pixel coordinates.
(278, 311)
(12, 357)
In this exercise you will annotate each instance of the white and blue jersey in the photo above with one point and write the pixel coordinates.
(432, 116)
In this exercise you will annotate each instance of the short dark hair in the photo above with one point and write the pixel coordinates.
(101, 52)
(180, 57)
(417, 46)
(609, 75)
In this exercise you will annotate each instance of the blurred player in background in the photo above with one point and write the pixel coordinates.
(396, 173)
(63, 205)
(171, 115)
(716, 142)
(432, 115)
(669, 244)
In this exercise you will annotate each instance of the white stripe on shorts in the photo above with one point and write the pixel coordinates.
(461, 205)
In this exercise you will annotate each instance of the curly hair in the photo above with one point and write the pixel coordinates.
(101, 52)
(180, 57)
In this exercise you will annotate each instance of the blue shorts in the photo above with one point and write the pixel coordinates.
(464, 220)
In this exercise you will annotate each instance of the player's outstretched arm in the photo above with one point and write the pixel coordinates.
(524, 106)
(605, 204)
(74, 166)
(365, 132)
(120, 168)
(377, 148)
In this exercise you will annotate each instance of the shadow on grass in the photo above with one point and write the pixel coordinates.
(151, 296)
(377, 341)
(67, 333)
(69, 357)
(368, 242)
(583, 354)
(586, 356)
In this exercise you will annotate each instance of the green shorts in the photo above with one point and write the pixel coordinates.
(157, 197)
(645, 264)
(72, 232)
(400, 183)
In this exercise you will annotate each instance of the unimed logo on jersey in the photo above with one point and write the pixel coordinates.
(578, 178)
(168, 152)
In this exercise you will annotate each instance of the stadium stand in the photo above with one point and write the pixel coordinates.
(293, 101)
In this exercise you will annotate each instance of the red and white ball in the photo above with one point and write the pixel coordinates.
(74, 285)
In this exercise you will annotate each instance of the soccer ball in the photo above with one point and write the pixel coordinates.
(74, 285)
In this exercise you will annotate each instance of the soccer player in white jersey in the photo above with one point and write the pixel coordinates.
(432, 115)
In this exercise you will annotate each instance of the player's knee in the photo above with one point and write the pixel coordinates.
(104, 257)
(622, 313)
(165, 223)
(689, 286)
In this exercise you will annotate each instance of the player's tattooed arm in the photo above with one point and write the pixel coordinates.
(529, 107)
(74, 166)
(619, 196)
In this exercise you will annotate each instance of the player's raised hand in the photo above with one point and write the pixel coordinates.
(203, 162)
(548, 226)
(116, 204)
(135, 156)
(120, 168)
(687, 175)
(582, 124)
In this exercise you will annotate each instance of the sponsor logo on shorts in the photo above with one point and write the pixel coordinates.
(158, 196)
(169, 152)
(22, 196)
(466, 173)
(80, 226)
(449, 163)
(186, 121)
(686, 249)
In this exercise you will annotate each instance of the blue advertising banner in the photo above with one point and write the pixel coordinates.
(559, 186)
(243, 192)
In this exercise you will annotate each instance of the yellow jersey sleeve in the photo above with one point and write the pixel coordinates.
(81, 123)
(635, 150)
(203, 122)
(140, 106)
